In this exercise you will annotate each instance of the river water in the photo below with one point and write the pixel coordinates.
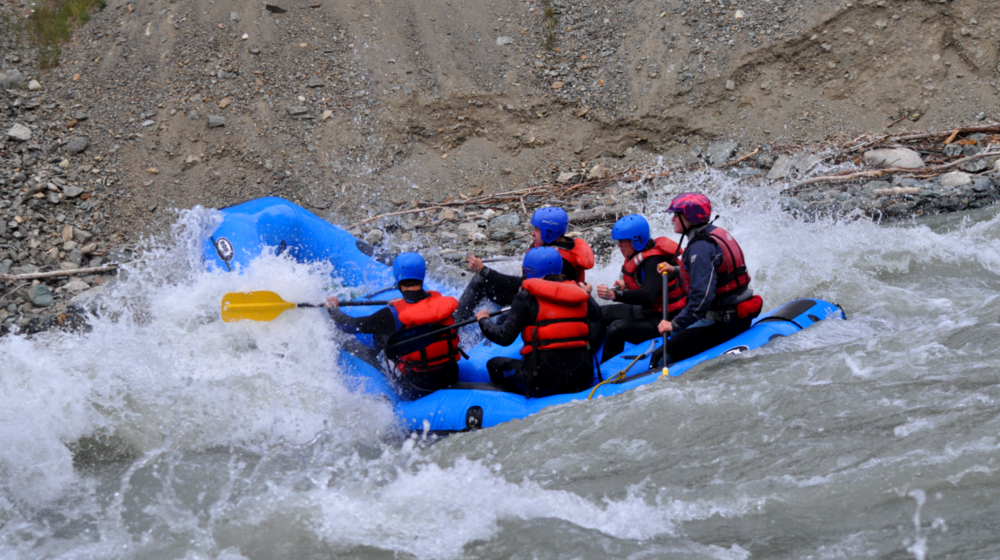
(165, 433)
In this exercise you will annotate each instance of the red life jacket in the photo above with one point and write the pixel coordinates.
(664, 247)
(434, 309)
(733, 275)
(561, 322)
(581, 256)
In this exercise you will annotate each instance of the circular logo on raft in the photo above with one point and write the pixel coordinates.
(737, 350)
(225, 249)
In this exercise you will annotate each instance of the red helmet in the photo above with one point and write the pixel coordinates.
(696, 207)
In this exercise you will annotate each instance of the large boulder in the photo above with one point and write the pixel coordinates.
(893, 157)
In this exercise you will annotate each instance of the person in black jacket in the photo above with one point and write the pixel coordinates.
(419, 373)
(638, 295)
(554, 317)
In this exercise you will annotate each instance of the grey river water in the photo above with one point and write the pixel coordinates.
(164, 433)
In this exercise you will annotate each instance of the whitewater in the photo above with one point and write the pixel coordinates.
(162, 432)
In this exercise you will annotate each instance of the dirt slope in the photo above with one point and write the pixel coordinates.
(357, 107)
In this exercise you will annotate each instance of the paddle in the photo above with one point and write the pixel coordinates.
(501, 259)
(266, 306)
(401, 342)
(666, 335)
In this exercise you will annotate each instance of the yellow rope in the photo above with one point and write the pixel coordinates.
(616, 378)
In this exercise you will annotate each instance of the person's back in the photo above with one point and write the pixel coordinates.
(553, 317)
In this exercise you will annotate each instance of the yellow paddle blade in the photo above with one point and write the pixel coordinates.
(253, 306)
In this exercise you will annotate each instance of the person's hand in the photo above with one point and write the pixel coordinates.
(586, 287)
(619, 284)
(475, 264)
(484, 314)
(604, 292)
(665, 268)
(332, 301)
(665, 327)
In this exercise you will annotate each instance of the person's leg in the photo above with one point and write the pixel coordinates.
(694, 341)
(562, 371)
(414, 385)
(506, 372)
(625, 323)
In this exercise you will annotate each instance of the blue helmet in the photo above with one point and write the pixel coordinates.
(633, 227)
(409, 266)
(542, 261)
(552, 221)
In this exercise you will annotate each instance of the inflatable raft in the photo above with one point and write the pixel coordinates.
(274, 224)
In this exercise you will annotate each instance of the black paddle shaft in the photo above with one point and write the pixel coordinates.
(446, 329)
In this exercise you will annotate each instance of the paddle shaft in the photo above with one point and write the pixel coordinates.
(456, 325)
(666, 335)
(500, 259)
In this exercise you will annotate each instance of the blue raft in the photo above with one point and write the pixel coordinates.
(274, 224)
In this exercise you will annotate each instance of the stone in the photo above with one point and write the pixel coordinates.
(77, 144)
(504, 40)
(234, 16)
(976, 165)
(374, 236)
(453, 255)
(468, 229)
(447, 214)
(190, 161)
(599, 171)
(72, 191)
(983, 184)
(297, 110)
(33, 85)
(215, 121)
(193, 115)
(503, 227)
(955, 179)
(315, 82)
(15, 78)
(720, 152)
(19, 132)
(569, 178)
(76, 286)
(893, 157)
(785, 166)
(40, 295)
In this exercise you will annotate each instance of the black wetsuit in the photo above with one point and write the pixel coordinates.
(632, 318)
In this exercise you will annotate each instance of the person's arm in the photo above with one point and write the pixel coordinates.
(501, 280)
(516, 320)
(382, 322)
(703, 280)
(652, 284)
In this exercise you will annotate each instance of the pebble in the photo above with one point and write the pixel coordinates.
(33, 85)
(893, 157)
(19, 132)
(955, 179)
(77, 144)
(215, 121)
